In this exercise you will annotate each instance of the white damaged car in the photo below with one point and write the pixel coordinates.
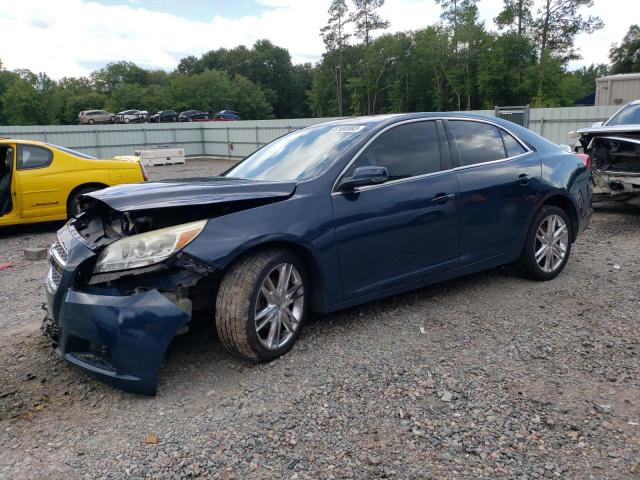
(614, 147)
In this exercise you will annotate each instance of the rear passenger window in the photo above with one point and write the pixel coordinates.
(406, 151)
(477, 142)
(512, 145)
(30, 156)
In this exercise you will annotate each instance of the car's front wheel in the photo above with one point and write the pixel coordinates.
(548, 244)
(262, 305)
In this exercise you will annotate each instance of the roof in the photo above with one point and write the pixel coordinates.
(620, 76)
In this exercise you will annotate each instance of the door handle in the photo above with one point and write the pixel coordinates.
(523, 179)
(442, 198)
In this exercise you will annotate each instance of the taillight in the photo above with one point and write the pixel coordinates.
(586, 159)
(144, 172)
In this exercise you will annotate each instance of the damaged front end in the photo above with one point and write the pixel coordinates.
(615, 149)
(616, 162)
(119, 286)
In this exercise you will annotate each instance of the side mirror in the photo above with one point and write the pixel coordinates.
(596, 124)
(363, 176)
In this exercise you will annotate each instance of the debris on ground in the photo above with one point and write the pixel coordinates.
(35, 253)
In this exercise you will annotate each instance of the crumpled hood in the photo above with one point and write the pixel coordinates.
(189, 192)
(611, 129)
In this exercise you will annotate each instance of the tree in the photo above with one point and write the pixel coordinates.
(21, 104)
(625, 58)
(515, 17)
(116, 74)
(334, 36)
(366, 19)
(556, 26)
(467, 36)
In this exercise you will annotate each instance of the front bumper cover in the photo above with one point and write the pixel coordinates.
(121, 340)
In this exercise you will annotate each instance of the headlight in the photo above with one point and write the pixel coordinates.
(147, 248)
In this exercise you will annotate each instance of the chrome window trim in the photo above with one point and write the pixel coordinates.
(335, 192)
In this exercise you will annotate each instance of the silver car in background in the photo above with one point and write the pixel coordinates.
(132, 116)
(89, 117)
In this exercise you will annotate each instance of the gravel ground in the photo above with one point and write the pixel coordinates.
(488, 376)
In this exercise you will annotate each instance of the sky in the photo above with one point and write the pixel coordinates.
(75, 37)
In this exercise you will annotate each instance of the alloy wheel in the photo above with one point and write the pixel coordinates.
(551, 244)
(279, 306)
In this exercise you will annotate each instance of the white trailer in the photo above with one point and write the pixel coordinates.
(617, 89)
(160, 156)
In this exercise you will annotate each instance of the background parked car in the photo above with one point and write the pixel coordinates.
(227, 115)
(615, 149)
(41, 182)
(164, 116)
(89, 117)
(132, 116)
(193, 116)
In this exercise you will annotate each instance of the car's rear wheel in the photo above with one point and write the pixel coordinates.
(262, 305)
(91, 121)
(73, 203)
(548, 244)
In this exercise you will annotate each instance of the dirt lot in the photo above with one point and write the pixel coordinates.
(489, 376)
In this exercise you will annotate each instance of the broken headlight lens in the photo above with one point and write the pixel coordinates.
(147, 248)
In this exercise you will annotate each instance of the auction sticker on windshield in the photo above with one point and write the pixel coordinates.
(347, 129)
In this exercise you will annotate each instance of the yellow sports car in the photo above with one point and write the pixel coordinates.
(40, 182)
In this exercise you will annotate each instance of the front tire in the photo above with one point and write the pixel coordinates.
(548, 244)
(262, 305)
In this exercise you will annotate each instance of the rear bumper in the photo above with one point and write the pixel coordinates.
(121, 340)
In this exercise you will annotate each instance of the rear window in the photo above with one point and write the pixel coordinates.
(477, 142)
(72, 152)
(514, 148)
(31, 156)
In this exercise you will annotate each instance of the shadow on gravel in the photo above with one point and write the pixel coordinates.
(193, 359)
(33, 228)
(617, 208)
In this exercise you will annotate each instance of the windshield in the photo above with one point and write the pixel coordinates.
(72, 152)
(629, 115)
(299, 155)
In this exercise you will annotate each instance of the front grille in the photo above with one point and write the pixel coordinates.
(53, 279)
(59, 252)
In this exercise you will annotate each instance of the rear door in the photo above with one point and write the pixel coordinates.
(499, 178)
(407, 228)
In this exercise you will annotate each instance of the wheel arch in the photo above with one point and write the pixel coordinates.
(315, 274)
(563, 201)
(77, 188)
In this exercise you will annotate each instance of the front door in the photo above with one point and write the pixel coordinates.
(41, 187)
(407, 228)
(499, 179)
(7, 203)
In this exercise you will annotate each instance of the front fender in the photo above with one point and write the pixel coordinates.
(303, 221)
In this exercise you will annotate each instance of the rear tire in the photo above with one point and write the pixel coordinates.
(73, 203)
(548, 244)
(261, 325)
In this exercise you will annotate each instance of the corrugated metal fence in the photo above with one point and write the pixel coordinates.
(239, 139)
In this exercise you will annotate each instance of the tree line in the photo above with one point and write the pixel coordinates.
(456, 64)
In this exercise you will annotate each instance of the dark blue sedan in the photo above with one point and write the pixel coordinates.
(326, 217)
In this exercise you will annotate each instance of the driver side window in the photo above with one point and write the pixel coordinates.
(406, 151)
